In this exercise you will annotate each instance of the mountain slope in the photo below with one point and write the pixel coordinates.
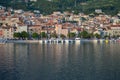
(48, 6)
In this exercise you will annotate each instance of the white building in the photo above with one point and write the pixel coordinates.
(8, 32)
(98, 11)
(21, 28)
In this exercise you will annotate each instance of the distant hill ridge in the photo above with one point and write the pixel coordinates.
(48, 6)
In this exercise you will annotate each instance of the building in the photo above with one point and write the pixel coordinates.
(21, 28)
(34, 29)
(60, 30)
(114, 30)
(8, 32)
(1, 33)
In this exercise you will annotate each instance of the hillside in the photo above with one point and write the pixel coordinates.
(48, 6)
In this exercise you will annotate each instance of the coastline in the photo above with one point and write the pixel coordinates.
(62, 41)
(22, 41)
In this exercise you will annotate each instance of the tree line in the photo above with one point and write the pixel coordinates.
(84, 34)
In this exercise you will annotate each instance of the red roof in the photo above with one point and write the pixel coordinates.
(115, 25)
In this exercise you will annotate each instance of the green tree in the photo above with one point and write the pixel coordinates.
(35, 35)
(43, 35)
(71, 35)
(17, 35)
(84, 34)
(83, 18)
(91, 35)
(62, 36)
(54, 35)
(97, 36)
(24, 35)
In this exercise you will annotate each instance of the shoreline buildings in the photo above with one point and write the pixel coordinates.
(57, 24)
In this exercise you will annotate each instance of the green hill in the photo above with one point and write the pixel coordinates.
(48, 6)
(86, 6)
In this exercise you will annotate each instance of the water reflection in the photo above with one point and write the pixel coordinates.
(85, 61)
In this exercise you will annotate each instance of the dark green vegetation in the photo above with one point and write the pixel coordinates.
(25, 35)
(76, 6)
(86, 35)
(35, 35)
(22, 35)
(71, 35)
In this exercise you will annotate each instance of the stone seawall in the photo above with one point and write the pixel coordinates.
(51, 41)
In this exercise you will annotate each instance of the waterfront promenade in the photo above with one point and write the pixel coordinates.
(62, 41)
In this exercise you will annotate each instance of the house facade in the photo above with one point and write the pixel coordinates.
(115, 30)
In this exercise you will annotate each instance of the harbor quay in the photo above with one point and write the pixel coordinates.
(62, 41)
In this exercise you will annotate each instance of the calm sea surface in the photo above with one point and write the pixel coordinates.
(85, 61)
